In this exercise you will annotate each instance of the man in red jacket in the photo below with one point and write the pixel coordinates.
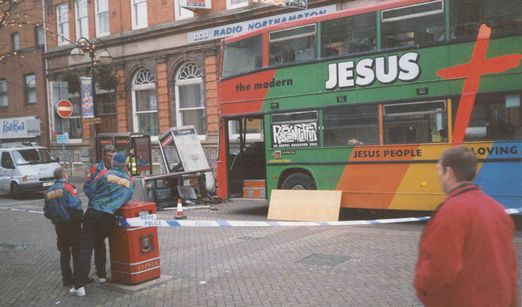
(466, 253)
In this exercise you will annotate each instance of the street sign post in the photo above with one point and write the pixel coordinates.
(62, 139)
(64, 108)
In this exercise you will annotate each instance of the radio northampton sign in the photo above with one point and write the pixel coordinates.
(64, 108)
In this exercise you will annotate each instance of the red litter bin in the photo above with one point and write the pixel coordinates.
(135, 250)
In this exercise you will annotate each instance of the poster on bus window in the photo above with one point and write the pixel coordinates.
(293, 135)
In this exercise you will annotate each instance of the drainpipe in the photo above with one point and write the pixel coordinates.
(50, 107)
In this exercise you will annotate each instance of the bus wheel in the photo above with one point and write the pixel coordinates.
(15, 190)
(298, 181)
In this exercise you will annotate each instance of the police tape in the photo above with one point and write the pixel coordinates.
(145, 221)
(152, 221)
(22, 210)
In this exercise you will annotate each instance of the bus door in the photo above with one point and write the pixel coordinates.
(246, 163)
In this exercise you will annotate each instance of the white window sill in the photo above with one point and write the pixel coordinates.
(134, 27)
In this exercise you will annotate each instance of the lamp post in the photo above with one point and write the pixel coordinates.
(83, 46)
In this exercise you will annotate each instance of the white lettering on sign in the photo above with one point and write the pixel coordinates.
(19, 127)
(364, 72)
(152, 223)
(294, 135)
(246, 26)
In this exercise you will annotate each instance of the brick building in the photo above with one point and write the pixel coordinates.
(23, 103)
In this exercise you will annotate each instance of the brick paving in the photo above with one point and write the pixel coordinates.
(245, 266)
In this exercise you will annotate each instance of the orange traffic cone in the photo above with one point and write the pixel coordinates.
(179, 211)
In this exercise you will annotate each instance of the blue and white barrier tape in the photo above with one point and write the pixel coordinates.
(22, 210)
(146, 221)
(152, 221)
(517, 211)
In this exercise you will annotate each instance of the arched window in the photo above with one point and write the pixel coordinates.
(190, 106)
(145, 103)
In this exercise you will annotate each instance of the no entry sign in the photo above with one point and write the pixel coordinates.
(64, 108)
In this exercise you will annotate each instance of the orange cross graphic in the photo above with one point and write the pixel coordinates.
(478, 66)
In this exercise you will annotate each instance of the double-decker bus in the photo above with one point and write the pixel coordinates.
(365, 100)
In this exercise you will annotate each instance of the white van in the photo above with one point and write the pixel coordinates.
(25, 168)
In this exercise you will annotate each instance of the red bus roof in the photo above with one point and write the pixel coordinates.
(344, 13)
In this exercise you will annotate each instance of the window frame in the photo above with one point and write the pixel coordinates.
(8, 155)
(492, 121)
(98, 18)
(412, 16)
(260, 55)
(293, 37)
(4, 93)
(314, 119)
(353, 141)
(444, 113)
(80, 19)
(324, 24)
(184, 82)
(415, 15)
(471, 27)
(15, 41)
(231, 6)
(143, 87)
(39, 36)
(28, 89)
(180, 12)
(111, 101)
(62, 26)
(59, 91)
(134, 14)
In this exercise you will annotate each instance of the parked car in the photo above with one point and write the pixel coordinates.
(25, 168)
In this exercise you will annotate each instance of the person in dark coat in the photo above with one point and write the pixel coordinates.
(64, 208)
(466, 253)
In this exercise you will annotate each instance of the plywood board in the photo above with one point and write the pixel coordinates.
(305, 205)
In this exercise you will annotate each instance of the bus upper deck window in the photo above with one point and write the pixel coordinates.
(292, 45)
(353, 34)
(413, 25)
(502, 16)
(242, 56)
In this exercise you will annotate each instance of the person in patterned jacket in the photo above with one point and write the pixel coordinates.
(110, 190)
(107, 152)
(64, 208)
(100, 250)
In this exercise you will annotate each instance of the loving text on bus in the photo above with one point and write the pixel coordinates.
(365, 100)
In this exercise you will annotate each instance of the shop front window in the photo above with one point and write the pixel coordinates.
(73, 124)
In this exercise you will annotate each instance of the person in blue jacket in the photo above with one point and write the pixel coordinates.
(110, 190)
(64, 208)
(100, 250)
(105, 164)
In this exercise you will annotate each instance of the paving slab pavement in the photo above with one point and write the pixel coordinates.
(244, 266)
